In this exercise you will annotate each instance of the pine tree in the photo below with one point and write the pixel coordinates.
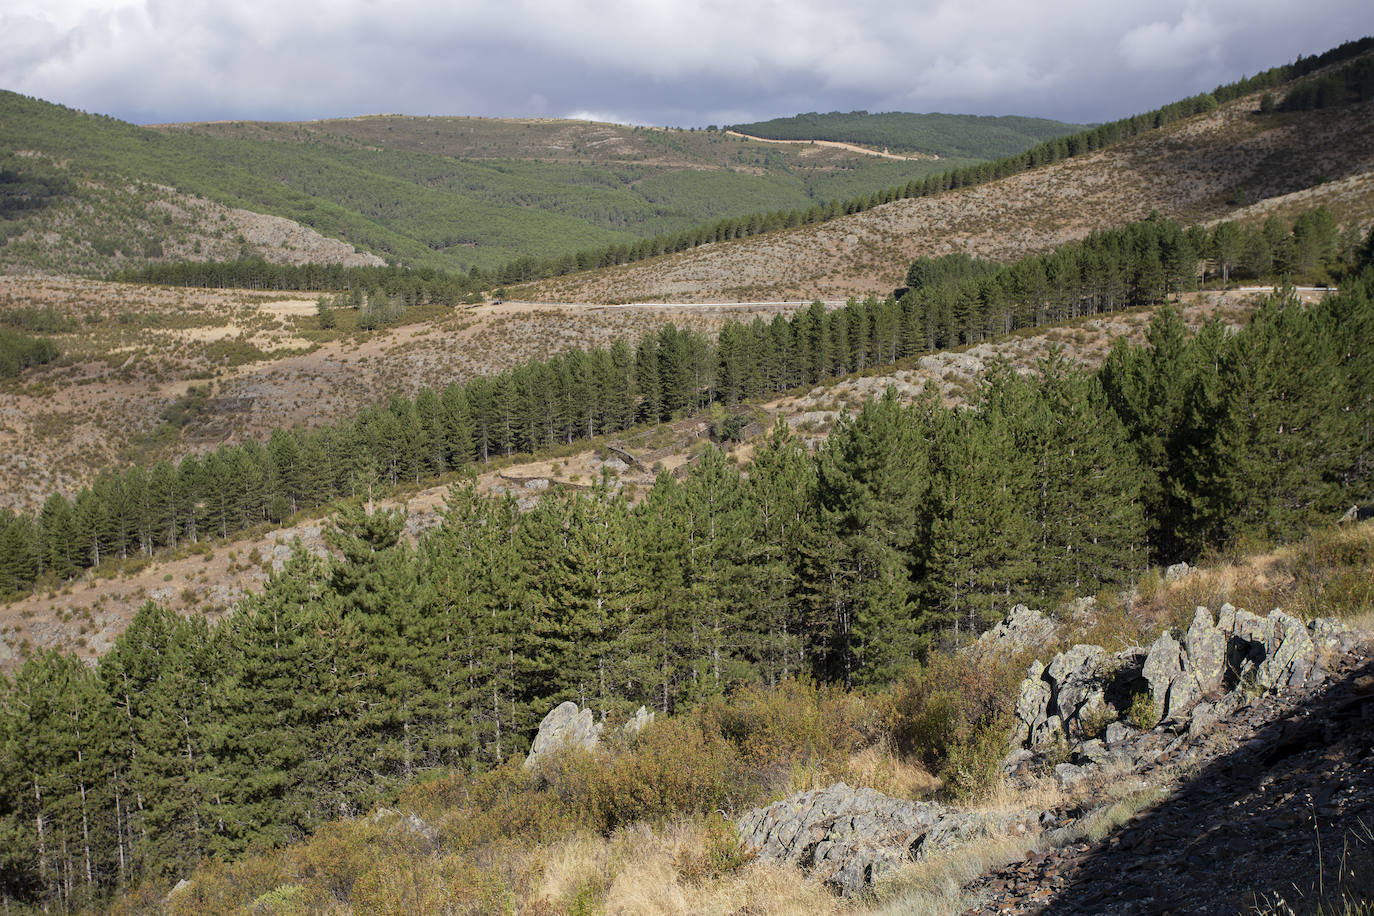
(872, 492)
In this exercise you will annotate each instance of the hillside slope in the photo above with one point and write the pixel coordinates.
(1203, 168)
(86, 193)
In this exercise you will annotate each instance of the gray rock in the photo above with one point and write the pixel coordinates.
(1226, 618)
(566, 725)
(1075, 677)
(1032, 704)
(847, 837)
(1330, 635)
(1022, 628)
(1119, 734)
(1069, 775)
(1206, 652)
(1096, 751)
(635, 724)
(1177, 572)
(1163, 670)
(1202, 719)
(844, 837)
(1290, 658)
(1049, 732)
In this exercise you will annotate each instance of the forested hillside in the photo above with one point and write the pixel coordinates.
(413, 193)
(945, 135)
(585, 394)
(358, 673)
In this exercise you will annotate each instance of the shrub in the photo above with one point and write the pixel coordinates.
(948, 700)
(973, 764)
(797, 723)
(674, 768)
(1143, 712)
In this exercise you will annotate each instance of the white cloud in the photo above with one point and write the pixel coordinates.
(648, 61)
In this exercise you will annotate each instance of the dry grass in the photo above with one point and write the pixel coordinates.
(935, 885)
(877, 767)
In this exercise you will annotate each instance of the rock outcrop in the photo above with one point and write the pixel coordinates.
(1073, 695)
(566, 725)
(847, 837)
(569, 725)
(1084, 686)
(1022, 628)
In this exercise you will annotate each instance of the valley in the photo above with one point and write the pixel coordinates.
(952, 514)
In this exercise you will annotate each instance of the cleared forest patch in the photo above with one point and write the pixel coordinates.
(155, 372)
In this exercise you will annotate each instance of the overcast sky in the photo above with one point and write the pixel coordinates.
(666, 62)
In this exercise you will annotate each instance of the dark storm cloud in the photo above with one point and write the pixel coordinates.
(652, 62)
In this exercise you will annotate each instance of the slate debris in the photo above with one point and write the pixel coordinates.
(1268, 800)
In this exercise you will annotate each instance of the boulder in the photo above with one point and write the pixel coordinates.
(1177, 572)
(847, 837)
(566, 725)
(1069, 775)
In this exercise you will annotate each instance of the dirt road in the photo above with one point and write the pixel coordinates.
(836, 144)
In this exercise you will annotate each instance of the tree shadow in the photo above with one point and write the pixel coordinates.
(1287, 816)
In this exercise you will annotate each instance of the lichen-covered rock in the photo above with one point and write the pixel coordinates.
(1163, 670)
(1290, 658)
(842, 836)
(1177, 572)
(566, 725)
(1206, 652)
(635, 724)
(1032, 704)
(847, 837)
(1330, 635)
(1075, 677)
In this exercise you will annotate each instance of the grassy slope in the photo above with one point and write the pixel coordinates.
(978, 136)
(450, 193)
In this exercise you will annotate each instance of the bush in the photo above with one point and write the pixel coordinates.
(794, 724)
(674, 768)
(1143, 712)
(973, 764)
(950, 699)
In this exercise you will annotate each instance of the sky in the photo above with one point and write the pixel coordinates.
(686, 63)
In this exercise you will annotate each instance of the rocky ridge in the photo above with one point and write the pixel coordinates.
(1235, 694)
(1266, 802)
